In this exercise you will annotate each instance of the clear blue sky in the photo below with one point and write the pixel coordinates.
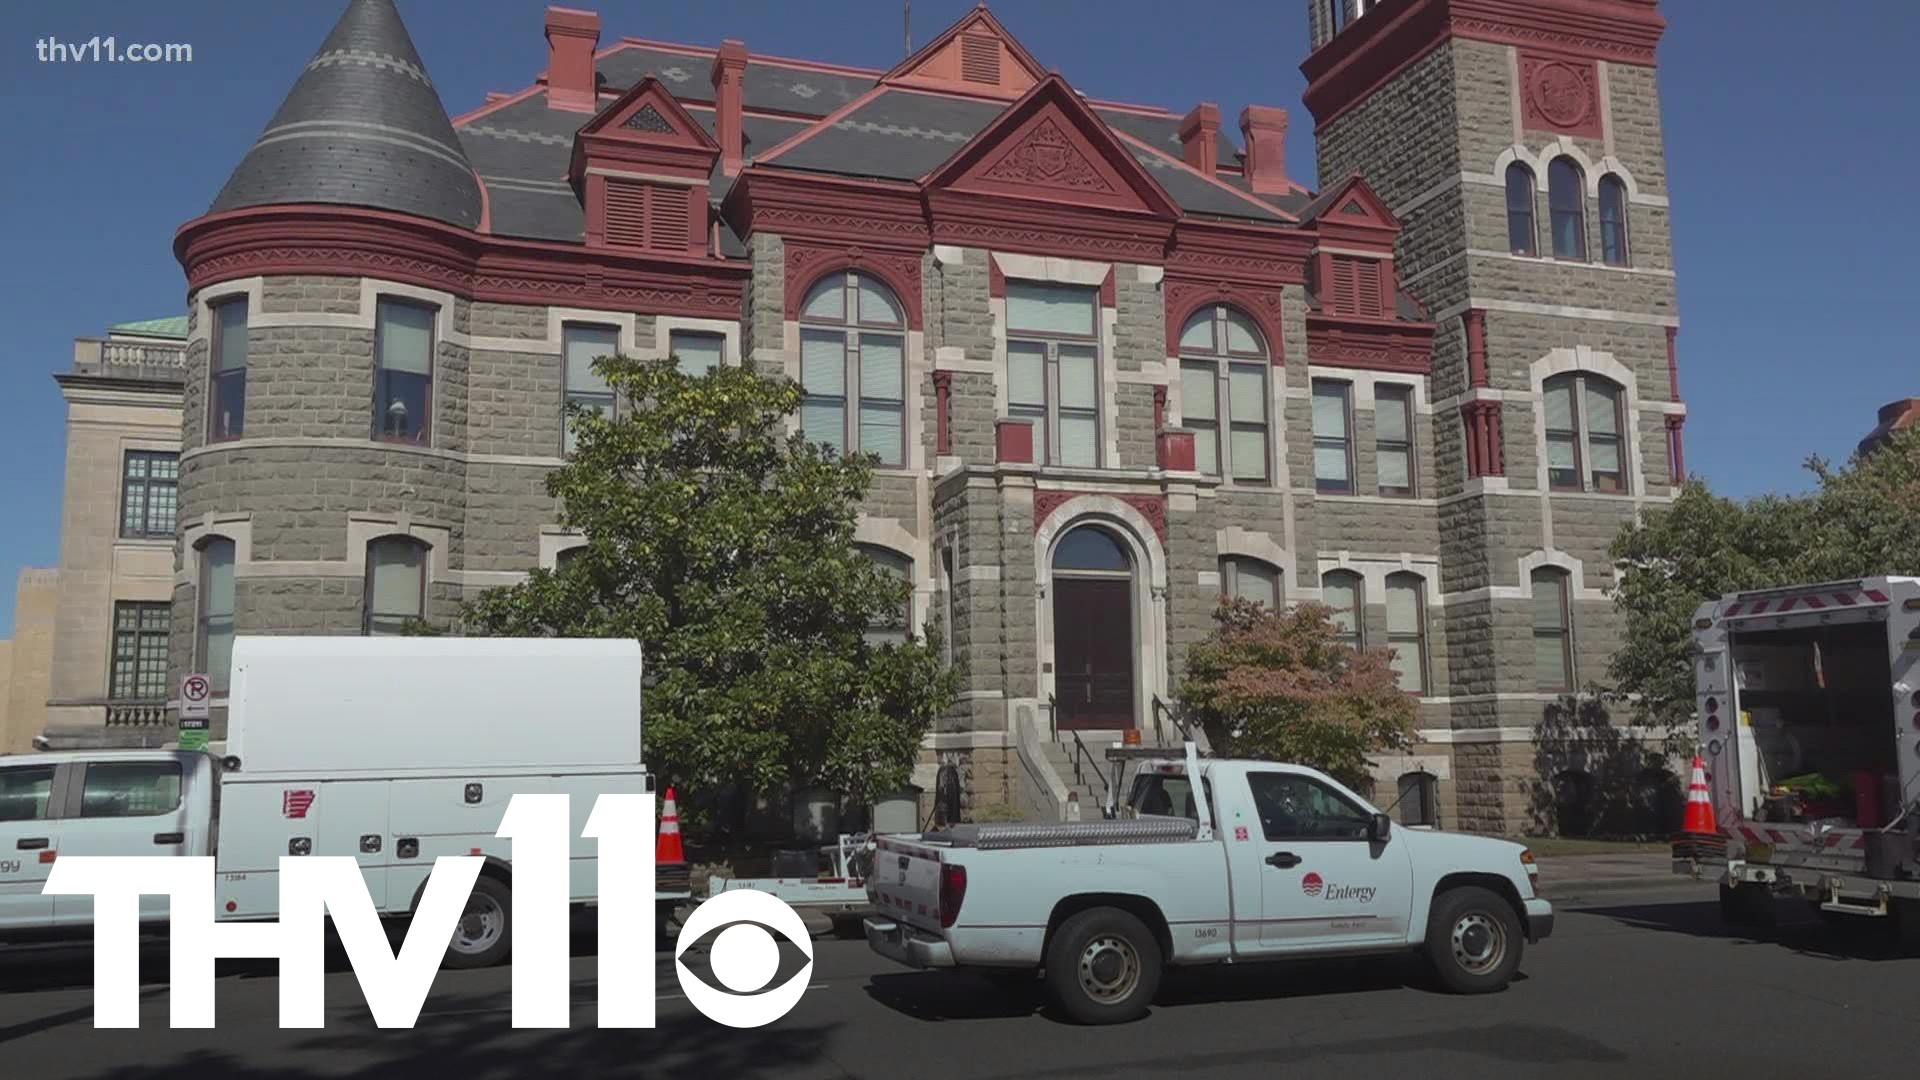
(1792, 184)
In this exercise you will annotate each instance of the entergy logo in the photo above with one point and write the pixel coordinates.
(295, 804)
(1311, 884)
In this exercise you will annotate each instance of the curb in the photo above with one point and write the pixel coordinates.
(1575, 888)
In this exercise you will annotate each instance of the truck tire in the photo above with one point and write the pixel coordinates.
(1103, 966)
(1474, 940)
(484, 935)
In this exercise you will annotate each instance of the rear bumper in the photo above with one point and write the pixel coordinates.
(903, 944)
(1539, 919)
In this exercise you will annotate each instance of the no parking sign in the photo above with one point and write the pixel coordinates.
(196, 691)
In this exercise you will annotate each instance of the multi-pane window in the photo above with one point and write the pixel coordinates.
(587, 388)
(403, 372)
(1567, 205)
(1586, 447)
(1613, 221)
(1552, 631)
(1053, 369)
(149, 493)
(1407, 630)
(396, 587)
(227, 381)
(1393, 438)
(893, 628)
(1223, 372)
(697, 351)
(139, 670)
(853, 367)
(1343, 591)
(1332, 440)
(1522, 235)
(214, 632)
(1250, 579)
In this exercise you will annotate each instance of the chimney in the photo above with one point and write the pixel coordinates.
(1200, 136)
(572, 82)
(1899, 413)
(1265, 129)
(729, 66)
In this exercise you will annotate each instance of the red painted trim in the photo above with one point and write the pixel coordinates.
(486, 204)
(1209, 178)
(1200, 138)
(1108, 293)
(1013, 441)
(496, 104)
(829, 209)
(327, 239)
(729, 67)
(689, 151)
(942, 411)
(1175, 451)
(1151, 507)
(1677, 449)
(808, 263)
(996, 278)
(1673, 364)
(1476, 321)
(1265, 306)
(1369, 344)
(1560, 94)
(571, 58)
(1243, 252)
(1371, 51)
(1485, 450)
(1159, 408)
(823, 124)
(977, 20)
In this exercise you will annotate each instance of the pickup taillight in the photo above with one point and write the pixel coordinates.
(953, 890)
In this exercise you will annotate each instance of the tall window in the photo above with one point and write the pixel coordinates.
(139, 670)
(1053, 369)
(1522, 235)
(1613, 221)
(1343, 591)
(1567, 202)
(1407, 630)
(149, 493)
(214, 635)
(697, 351)
(951, 603)
(396, 588)
(1586, 422)
(896, 627)
(403, 372)
(1250, 579)
(1393, 439)
(1223, 369)
(582, 345)
(853, 350)
(1332, 445)
(227, 389)
(1552, 631)
(1419, 798)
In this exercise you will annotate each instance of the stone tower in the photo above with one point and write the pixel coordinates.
(1519, 144)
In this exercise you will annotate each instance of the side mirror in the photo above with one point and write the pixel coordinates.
(1379, 827)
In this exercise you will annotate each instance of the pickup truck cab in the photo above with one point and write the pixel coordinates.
(1270, 861)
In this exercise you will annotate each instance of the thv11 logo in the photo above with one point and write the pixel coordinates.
(744, 957)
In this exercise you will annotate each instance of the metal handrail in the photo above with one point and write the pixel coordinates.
(1079, 750)
(1188, 733)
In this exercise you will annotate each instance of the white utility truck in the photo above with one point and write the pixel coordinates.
(1270, 862)
(393, 750)
(1808, 701)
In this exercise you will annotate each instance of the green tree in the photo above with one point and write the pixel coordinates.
(1280, 685)
(724, 544)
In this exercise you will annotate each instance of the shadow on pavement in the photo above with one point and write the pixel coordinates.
(1799, 927)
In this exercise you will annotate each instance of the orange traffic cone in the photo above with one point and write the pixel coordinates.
(668, 849)
(1699, 804)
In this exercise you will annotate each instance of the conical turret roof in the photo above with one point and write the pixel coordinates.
(363, 126)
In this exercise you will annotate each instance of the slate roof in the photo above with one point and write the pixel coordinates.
(363, 126)
(766, 84)
(1163, 133)
(899, 135)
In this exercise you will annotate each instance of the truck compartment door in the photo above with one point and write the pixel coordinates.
(453, 815)
(261, 821)
(122, 808)
(29, 833)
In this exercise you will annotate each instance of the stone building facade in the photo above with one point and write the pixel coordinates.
(1113, 365)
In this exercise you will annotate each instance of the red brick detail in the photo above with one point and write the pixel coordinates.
(1108, 293)
(1673, 363)
(1013, 441)
(1200, 138)
(729, 69)
(571, 37)
(1485, 455)
(1676, 449)
(1159, 408)
(1476, 321)
(1265, 306)
(975, 55)
(1560, 94)
(942, 410)
(1175, 450)
(1370, 344)
(807, 263)
(1151, 507)
(996, 279)
(1264, 128)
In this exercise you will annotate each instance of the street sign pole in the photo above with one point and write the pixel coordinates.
(196, 693)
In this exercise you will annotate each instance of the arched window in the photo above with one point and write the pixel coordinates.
(1345, 593)
(1223, 374)
(213, 630)
(1523, 237)
(853, 367)
(396, 585)
(1585, 433)
(895, 628)
(1567, 202)
(562, 558)
(1552, 631)
(1407, 629)
(1613, 221)
(1250, 579)
(1419, 798)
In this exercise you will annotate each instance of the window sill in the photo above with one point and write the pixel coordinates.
(396, 440)
(1619, 496)
(148, 540)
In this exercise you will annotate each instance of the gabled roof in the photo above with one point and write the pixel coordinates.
(645, 123)
(1351, 203)
(362, 126)
(976, 54)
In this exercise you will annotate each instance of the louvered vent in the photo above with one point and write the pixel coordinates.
(646, 215)
(626, 213)
(1356, 286)
(980, 59)
(667, 218)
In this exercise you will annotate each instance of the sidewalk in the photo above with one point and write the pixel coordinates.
(1563, 876)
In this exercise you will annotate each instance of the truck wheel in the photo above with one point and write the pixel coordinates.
(1474, 940)
(484, 934)
(1103, 966)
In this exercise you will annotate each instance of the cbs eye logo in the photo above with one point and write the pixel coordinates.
(744, 958)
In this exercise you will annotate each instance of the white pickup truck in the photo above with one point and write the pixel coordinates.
(1273, 862)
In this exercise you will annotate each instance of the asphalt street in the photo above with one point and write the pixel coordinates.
(1634, 983)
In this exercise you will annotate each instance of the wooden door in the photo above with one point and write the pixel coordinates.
(1093, 653)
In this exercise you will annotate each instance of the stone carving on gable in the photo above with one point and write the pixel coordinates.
(648, 118)
(1560, 95)
(1046, 157)
(1151, 507)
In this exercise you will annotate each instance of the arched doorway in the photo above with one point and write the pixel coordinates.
(1093, 631)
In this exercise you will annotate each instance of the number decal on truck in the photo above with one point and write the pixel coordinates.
(9, 866)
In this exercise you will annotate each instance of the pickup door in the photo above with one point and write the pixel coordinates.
(29, 833)
(1322, 884)
(130, 807)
